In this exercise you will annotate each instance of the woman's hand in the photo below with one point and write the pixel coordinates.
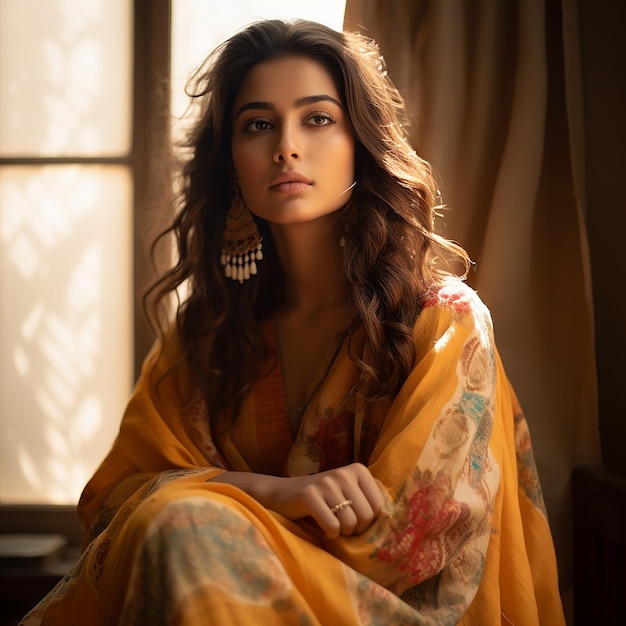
(316, 495)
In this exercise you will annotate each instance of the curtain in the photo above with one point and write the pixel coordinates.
(496, 111)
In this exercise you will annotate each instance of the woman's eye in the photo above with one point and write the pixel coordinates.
(320, 119)
(254, 126)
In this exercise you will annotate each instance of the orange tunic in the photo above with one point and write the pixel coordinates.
(463, 537)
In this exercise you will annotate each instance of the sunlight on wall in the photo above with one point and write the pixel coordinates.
(64, 325)
(65, 72)
(65, 243)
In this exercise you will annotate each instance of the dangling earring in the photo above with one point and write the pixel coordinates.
(242, 242)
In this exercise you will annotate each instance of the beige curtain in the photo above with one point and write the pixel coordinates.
(485, 84)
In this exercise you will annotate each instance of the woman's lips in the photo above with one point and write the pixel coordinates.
(290, 188)
(290, 183)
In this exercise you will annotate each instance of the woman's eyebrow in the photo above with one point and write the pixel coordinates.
(313, 99)
(300, 102)
(264, 106)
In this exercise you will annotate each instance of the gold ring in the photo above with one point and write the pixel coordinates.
(341, 506)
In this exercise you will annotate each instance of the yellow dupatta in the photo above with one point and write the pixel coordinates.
(463, 537)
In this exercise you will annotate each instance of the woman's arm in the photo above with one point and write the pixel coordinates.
(315, 496)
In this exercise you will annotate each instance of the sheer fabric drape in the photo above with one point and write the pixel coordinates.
(485, 84)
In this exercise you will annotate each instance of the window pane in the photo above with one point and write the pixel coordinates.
(65, 72)
(65, 325)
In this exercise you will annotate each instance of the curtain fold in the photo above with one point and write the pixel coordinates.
(485, 85)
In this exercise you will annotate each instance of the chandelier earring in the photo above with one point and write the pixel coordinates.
(242, 246)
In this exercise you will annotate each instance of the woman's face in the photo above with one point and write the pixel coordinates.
(292, 145)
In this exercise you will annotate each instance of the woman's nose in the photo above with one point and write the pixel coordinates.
(287, 148)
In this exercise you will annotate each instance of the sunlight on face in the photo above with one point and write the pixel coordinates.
(292, 144)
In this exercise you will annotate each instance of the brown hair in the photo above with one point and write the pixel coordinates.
(392, 256)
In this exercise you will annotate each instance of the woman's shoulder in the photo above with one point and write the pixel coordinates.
(453, 293)
(455, 301)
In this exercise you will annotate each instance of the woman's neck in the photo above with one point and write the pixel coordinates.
(310, 255)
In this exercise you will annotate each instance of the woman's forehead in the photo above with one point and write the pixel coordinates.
(285, 78)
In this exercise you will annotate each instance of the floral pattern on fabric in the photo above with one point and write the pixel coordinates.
(447, 609)
(417, 540)
(526, 467)
(376, 606)
(93, 559)
(441, 520)
(449, 296)
(329, 438)
(197, 542)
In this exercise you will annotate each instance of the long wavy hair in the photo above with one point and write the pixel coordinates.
(392, 255)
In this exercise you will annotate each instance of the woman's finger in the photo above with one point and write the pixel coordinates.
(371, 490)
(328, 520)
(363, 513)
(346, 515)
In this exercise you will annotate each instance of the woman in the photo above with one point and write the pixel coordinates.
(325, 433)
